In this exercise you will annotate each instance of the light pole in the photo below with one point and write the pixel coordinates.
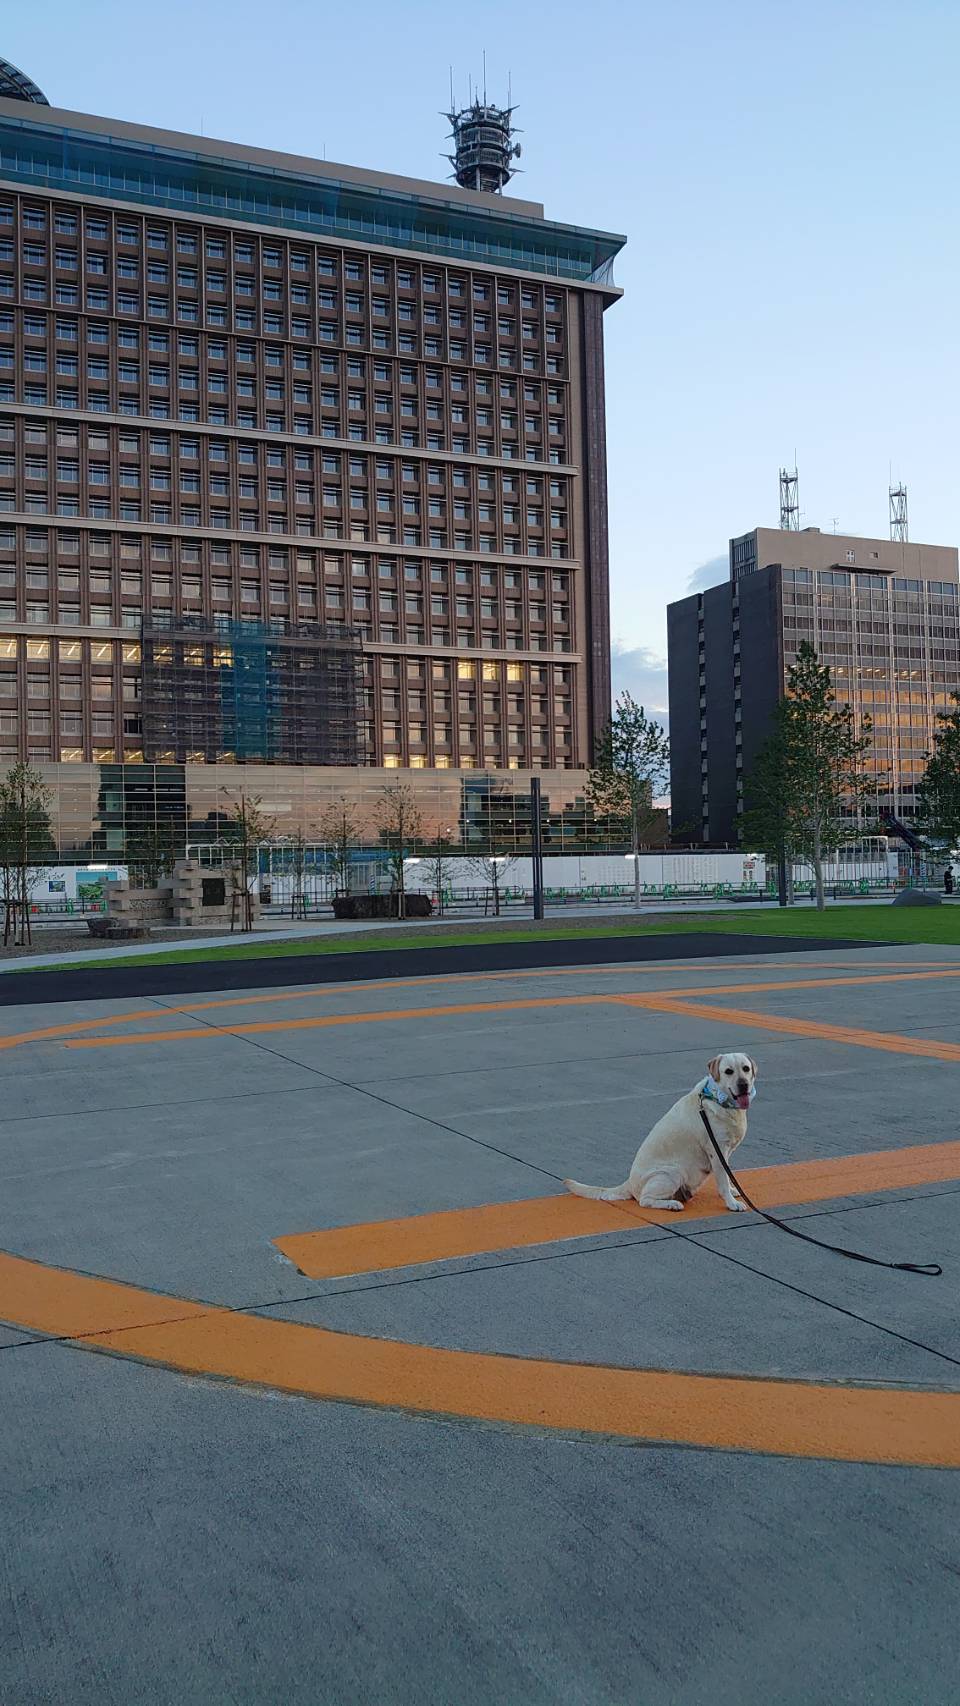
(636, 877)
(496, 859)
(536, 843)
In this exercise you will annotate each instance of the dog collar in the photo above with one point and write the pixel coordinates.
(712, 1092)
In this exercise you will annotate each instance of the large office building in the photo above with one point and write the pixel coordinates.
(302, 469)
(882, 613)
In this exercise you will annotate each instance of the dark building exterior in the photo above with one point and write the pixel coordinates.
(267, 423)
(882, 613)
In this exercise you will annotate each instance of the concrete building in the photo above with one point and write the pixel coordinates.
(882, 613)
(300, 465)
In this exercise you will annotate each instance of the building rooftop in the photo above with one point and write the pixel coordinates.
(812, 549)
(18, 87)
(54, 149)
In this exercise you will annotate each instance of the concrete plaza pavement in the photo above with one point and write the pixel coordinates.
(173, 1536)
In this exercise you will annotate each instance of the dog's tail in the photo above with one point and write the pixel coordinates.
(602, 1193)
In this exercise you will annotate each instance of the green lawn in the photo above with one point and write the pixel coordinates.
(862, 922)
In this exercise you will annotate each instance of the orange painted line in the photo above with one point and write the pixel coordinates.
(787, 1418)
(765, 984)
(656, 1000)
(328, 1019)
(96, 1022)
(887, 1041)
(373, 1246)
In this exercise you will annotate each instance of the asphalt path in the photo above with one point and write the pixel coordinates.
(186, 977)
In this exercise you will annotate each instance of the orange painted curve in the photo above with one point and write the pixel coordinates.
(779, 1417)
(378, 1245)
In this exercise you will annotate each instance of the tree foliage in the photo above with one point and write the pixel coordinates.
(491, 868)
(939, 792)
(152, 853)
(340, 834)
(807, 791)
(632, 765)
(26, 844)
(244, 828)
(437, 857)
(400, 824)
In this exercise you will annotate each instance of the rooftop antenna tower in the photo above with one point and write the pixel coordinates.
(898, 513)
(789, 499)
(483, 140)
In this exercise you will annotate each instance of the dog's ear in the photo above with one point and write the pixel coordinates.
(713, 1067)
(753, 1064)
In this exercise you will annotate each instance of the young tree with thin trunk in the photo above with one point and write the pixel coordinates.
(401, 824)
(25, 846)
(492, 868)
(297, 851)
(437, 861)
(811, 769)
(632, 766)
(939, 793)
(152, 853)
(340, 834)
(245, 830)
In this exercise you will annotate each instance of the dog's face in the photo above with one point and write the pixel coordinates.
(735, 1073)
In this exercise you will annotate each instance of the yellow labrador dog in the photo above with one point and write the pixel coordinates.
(673, 1161)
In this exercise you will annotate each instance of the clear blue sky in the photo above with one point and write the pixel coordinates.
(786, 175)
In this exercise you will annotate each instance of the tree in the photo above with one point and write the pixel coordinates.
(25, 845)
(632, 765)
(296, 848)
(939, 791)
(340, 833)
(152, 853)
(246, 827)
(766, 823)
(437, 861)
(492, 868)
(400, 823)
(812, 786)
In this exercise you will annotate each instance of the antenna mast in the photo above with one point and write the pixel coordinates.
(789, 500)
(898, 513)
(483, 137)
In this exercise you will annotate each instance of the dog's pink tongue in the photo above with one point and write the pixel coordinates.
(743, 1101)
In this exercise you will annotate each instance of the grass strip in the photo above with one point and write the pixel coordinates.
(937, 926)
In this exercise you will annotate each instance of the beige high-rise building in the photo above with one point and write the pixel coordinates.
(883, 613)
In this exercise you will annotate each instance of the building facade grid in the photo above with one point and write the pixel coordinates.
(204, 420)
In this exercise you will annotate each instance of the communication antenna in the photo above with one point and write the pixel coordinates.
(483, 136)
(898, 513)
(789, 499)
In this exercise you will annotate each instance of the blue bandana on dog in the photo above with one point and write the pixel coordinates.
(711, 1091)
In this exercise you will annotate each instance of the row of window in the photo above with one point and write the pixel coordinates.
(273, 323)
(354, 303)
(327, 332)
(161, 446)
(245, 251)
(395, 435)
(440, 704)
(238, 352)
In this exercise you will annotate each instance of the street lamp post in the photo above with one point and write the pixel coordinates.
(536, 841)
(636, 877)
(496, 859)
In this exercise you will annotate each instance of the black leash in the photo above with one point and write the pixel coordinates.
(933, 1269)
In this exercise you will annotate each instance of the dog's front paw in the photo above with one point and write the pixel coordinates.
(735, 1205)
